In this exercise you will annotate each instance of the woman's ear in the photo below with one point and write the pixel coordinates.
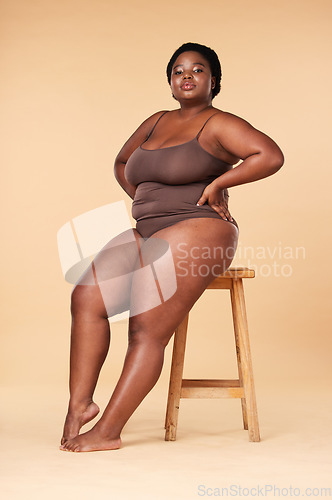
(213, 82)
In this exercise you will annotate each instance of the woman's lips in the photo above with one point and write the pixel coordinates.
(187, 86)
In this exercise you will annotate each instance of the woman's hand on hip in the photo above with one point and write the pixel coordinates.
(217, 198)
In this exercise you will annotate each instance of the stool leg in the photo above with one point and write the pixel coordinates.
(240, 320)
(238, 357)
(175, 383)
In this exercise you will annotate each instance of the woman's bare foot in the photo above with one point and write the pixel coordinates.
(76, 419)
(92, 440)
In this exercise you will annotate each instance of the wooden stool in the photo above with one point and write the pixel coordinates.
(243, 387)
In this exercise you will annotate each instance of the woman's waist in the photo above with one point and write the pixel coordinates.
(154, 196)
(156, 191)
(153, 199)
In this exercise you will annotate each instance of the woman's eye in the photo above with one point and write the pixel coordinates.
(198, 70)
(177, 72)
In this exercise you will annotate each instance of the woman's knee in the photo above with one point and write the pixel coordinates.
(87, 299)
(99, 301)
(144, 334)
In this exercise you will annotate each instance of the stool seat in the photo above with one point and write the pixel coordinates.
(242, 388)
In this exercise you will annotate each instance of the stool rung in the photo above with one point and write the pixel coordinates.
(211, 388)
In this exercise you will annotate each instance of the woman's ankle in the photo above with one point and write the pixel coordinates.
(77, 405)
(107, 431)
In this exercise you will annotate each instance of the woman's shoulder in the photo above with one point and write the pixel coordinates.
(149, 122)
(225, 122)
(226, 116)
(155, 116)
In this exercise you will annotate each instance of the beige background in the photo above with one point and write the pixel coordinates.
(77, 78)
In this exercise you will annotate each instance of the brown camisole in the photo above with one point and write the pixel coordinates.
(170, 182)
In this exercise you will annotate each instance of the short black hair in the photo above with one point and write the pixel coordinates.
(206, 52)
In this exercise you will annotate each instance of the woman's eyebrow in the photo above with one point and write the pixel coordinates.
(193, 65)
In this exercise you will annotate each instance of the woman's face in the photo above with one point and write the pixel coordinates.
(191, 77)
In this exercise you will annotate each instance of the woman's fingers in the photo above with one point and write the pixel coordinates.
(222, 211)
(217, 201)
(202, 200)
(227, 212)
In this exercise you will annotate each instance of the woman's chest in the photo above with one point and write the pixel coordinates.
(181, 164)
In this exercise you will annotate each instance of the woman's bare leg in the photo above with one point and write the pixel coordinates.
(150, 331)
(90, 331)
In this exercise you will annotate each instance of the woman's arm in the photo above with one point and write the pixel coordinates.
(119, 167)
(134, 141)
(261, 156)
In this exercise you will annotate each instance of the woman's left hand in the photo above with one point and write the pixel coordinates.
(217, 198)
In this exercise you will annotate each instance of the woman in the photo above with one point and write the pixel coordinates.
(177, 167)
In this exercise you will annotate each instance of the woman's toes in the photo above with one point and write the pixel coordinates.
(71, 447)
(67, 446)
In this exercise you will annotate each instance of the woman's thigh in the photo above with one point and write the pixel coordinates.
(105, 286)
(201, 249)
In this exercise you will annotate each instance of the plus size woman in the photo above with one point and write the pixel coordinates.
(177, 167)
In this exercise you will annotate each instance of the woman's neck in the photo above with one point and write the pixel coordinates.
(190, 110)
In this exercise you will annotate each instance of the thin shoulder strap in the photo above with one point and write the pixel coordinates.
(205, 124)
(154, 126)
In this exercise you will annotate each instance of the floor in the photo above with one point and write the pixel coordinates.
(212, 455)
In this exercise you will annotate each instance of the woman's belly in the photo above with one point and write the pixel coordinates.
(153, 199)
(157, 205)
